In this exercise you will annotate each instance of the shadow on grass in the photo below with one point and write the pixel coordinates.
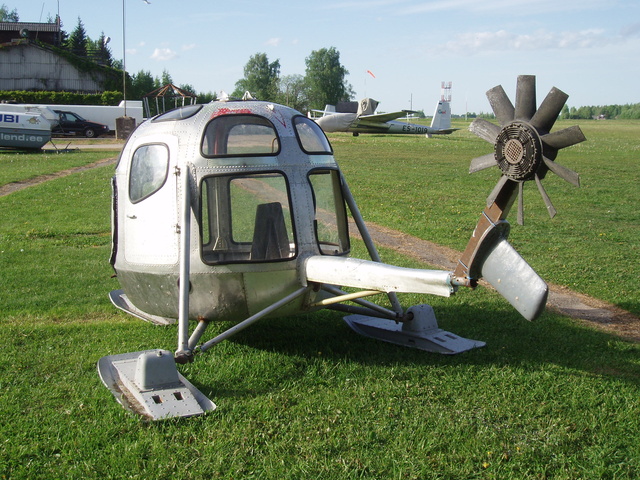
(511, 341)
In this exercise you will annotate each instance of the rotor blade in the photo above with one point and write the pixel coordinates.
(521, 203)
(563, 172)
(545, 197)
(485, 129)
(496, 190)
(480, 163)
(525, 97)
(549, 109)
(501, 105)
(515, 280)
(564, 138)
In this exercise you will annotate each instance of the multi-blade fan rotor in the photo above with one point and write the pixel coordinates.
(524, 147)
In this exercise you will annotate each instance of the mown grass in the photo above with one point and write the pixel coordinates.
(20, 166)
(305, 397)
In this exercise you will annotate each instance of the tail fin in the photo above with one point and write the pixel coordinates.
(442, 116)
(328, 110)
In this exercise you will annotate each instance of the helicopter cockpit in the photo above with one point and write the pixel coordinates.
(248, 217)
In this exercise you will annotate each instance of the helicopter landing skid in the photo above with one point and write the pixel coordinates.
(421, 332)
(148, 383)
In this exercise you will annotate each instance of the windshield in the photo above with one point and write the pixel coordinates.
(246, 218)
(240, 135)
(330, 216)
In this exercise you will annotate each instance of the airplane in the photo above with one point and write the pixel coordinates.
(237, 211)
(366, 121)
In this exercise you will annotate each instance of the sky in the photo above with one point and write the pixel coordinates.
(590, 49)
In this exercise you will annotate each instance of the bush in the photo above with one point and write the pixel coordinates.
(61, 98)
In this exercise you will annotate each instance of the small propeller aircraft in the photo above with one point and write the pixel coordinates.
(237, 210)
(367, 121)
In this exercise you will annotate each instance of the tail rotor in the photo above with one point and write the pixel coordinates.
(524, 147)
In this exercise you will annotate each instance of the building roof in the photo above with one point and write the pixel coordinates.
(44, 32)
(30, 26)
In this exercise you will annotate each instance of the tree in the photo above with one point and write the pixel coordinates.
(260, 78)
(325, 78)
(293, 92)
(206, 97)
(187, 87)
(141, 84)
(8, 16)
(77, 42)
(100, 51)
(165, 79)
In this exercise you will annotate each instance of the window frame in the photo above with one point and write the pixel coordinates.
(265, 122)
(131, 167)
(302, 119)
(344, 212)
(229, 178)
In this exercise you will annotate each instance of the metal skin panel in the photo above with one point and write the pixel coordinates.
(147, 228)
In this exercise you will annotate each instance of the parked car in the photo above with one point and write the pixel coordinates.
(73, 124)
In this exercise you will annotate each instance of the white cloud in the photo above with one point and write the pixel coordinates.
(502, 40)
(522, 7)
(273, 42)
(163, 54)
(188, 47)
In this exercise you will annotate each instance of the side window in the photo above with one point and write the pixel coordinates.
(233, 135)
(246, 219)
(311, 137)
(330, 220)
(149, 168)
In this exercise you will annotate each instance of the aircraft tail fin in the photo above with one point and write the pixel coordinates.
(442, 116)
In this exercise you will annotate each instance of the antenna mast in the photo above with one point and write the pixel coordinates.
(445, 95)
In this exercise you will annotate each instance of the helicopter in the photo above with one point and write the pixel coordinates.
(238, 211)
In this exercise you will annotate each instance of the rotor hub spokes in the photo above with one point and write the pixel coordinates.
(524, 147)
(518, 151)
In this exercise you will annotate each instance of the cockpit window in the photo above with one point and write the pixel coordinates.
(179, 113)
(240, 135)
(311, 137)
(149, 168)
(246, 218)
(330, 220)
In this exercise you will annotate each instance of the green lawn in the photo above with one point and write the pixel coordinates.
(20, 166)
(305, 397)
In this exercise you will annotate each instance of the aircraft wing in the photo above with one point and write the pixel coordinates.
(383, 117)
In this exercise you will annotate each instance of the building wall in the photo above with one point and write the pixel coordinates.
(27, 66)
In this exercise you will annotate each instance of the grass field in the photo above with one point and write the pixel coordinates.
(305, 397)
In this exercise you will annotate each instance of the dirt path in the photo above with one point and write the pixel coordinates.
(595, 312)
(15, 186)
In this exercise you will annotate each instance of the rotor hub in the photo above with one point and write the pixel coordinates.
(518, 151)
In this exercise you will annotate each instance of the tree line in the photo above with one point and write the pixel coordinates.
(628, 111)
(324, 81)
